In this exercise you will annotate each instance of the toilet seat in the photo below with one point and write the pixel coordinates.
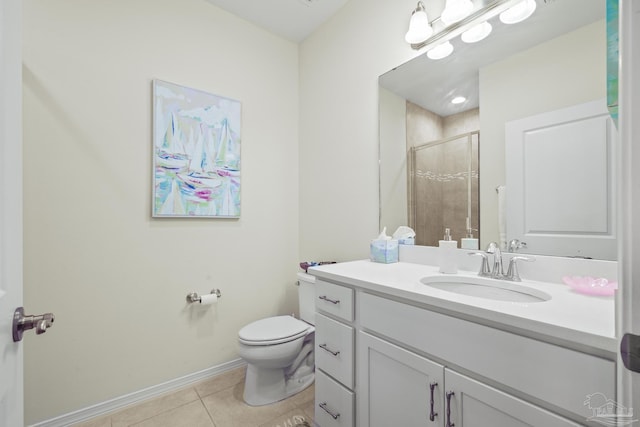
(273, 330)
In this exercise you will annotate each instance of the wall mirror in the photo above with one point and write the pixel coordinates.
(554, 60)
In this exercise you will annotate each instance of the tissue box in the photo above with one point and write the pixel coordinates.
(385, 251)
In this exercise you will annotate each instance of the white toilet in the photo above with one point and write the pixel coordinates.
(279, 351)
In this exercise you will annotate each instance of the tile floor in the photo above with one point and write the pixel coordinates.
(216, 402)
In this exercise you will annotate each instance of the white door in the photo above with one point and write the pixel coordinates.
(572, 151)
(628, 302)
(11, 394)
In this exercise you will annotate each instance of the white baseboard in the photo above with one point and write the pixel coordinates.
(118, 403)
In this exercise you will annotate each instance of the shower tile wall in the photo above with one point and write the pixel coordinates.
(422, 126)
(457, 124)
(439, 192)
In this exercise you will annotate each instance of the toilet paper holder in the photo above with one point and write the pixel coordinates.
(194, 297)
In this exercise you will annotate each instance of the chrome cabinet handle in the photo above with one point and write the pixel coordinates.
(323, 405)
(432, 413)
(332, 301)
(325, 348)
(449, 423)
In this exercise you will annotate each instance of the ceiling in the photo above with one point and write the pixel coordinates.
(292, 19)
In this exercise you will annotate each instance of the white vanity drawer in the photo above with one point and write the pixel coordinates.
(334, 349)
(334, 299)
(334, 403)
(559, 376)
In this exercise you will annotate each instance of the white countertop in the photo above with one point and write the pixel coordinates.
(568, 318)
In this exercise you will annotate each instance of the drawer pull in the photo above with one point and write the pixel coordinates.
(449, 423)
(323, 405)
(325, 348)
(432, 413)
(332, 301)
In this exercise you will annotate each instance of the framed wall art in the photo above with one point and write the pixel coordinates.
(196, 153)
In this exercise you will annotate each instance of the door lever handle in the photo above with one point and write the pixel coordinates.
(22, 323)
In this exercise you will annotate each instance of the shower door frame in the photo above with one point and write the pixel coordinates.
(411, 174)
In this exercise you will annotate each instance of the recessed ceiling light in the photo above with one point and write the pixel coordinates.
(458, 100)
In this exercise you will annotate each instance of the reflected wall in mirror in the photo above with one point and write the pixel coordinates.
(556, 59)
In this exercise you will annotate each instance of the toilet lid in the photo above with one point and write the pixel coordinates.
(273, 330)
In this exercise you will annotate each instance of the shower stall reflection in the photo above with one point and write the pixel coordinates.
(443, 188)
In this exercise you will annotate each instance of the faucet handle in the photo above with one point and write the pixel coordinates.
(492, 247)
(484, 269)
(515, 245)
(512, 272)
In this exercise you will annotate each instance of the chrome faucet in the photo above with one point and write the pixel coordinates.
(497, 272)
(485, 271)
(512, 272)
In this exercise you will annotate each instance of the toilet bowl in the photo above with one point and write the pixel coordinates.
(279, 351)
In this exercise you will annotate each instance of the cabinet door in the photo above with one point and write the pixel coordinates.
(397, 387)
(475, 404)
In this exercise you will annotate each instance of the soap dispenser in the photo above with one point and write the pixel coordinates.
(447, 253)
(469, 242)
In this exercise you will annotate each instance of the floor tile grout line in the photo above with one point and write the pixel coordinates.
(164, 411)
(208, 413)
(199, 397)
(298, 406)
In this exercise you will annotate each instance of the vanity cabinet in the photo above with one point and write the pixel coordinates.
(383, 360)
(334, 355)
(402, 388)
(552, 376)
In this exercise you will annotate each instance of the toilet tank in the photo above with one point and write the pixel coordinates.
(306, 297)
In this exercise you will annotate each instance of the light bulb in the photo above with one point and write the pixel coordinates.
(441, 51)
(476, 33)
(458, 100)
(419, 28)
(456, 10)
(519, 12)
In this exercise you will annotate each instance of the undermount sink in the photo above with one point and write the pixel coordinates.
(498, 290)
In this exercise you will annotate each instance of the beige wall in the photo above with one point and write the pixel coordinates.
(339, 68)
(393, 161)
(115, 278)
(552, 75)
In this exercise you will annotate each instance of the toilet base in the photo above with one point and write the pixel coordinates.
(266, 386)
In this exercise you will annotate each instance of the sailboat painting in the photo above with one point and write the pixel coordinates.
(196, 153)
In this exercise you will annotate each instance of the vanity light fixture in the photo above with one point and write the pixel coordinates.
(441, 51)
(458, 100)
(455, 11)
(518, 12)
(477, 33)
(419, 27)
(473, 25)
